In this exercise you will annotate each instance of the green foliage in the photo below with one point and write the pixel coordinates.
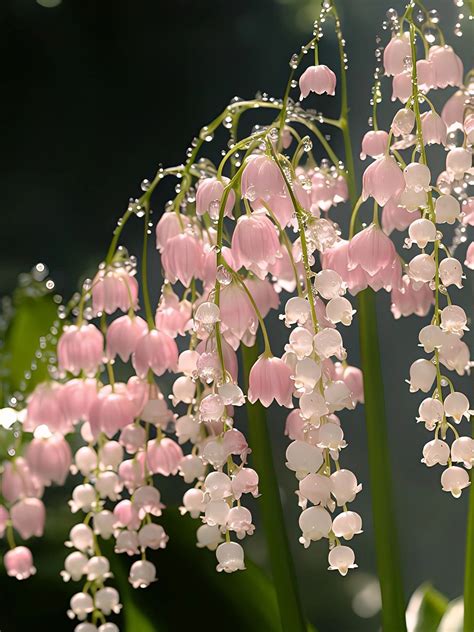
(426, 609)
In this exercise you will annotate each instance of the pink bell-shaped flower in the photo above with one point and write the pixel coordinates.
(255, 243)
(319, 79)
(209, 195)
(19, 563)
(182, 258)
(169, 225)
(261, 179)
(374, 253)
(123, 335)
(49, 459)
(114, 289)
(383, 180)
(80, 348)
(28, 517)
(374, 144)
(173, 316)
(112, 410)
(270, 379)
(163, 457)
(396, 217)
(156, 351)
(448, 68)
(45, 408)
(395, 53)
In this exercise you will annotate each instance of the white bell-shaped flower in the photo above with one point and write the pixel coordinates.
(313, 405)
(328, 342)
(447, 209)
(194, 502)
(147, 500)
(214, 452)
(191, 468)
(422, 268)
(422, 232)
(454, 354)
(347, 524)
(83, 497)
(187, 362)
(456, 405)
(104, 523)
(338, 396)
(126, 542)
(329, 284)
(450, 272)
(184, 390)
(339, 310)
(300, 343)
(207, 314)
(231, 394)
(431, 337)
(422, 376)
(431, 412)
(85, 460)
(317, 489)
(412, 200)
(297, 310)
(85, 627)
(454, 320)
(107, 627)
(454, 479)
(315, 523)
(107, 600)
(403, 122)
(331, 436)
(74, 566)
(462, 451)
(208, 537)
(341, 558)
(142, 574)
(307, 374)
(81, 605)
(230, 557)
(417, 176)
(435, 452)
(216, 512)
(188, 428)
(218, 486)
(81, 537)
(344, 486)
(212, 407)
(111, 455)
(303, 458)
(109, 485)
(152, 536)
(239, 520)
(458, 161)
(97, 568)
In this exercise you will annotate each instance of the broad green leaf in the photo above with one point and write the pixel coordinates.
(452, 620)
(32, 319)
(425, 609)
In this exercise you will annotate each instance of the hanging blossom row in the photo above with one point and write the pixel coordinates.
(413, 200)
(233, 240)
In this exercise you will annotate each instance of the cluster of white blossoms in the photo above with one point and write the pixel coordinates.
(217, 464)
(324, 385)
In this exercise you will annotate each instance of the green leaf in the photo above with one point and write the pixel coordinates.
(452, 620)
(32, 319)
(425, 609)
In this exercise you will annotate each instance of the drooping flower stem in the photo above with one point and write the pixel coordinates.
(283, 572)
(383, 511)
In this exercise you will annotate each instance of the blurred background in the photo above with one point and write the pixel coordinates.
(94, 96)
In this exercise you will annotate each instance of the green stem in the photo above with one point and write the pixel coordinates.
(146, 294)
(283, 572)
(469, 560)
(383, 510)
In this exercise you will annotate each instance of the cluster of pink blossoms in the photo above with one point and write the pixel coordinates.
(230, 247)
